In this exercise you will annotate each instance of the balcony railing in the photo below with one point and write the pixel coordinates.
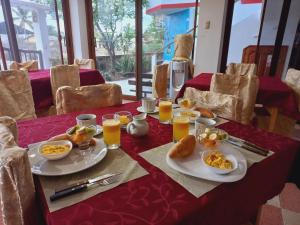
(26, 55)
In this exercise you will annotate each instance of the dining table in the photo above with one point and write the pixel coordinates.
(41, 86)
(156, 198)
(273, 94)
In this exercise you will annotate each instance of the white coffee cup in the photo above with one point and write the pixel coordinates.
(148, 104)
(86, 120)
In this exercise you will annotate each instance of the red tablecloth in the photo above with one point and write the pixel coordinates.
(41, 86)
(156, 199)
(272, 92)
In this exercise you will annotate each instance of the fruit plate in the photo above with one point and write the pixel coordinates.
(194, 166)
(72, 163)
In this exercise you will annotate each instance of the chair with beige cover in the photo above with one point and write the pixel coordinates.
(85, 63)
(17, 195)
(160, 81)
(29, 65)
(16, 95)
(292, 79)
(241, 69)
(227, 106)
(64, 75)
(244, 87)
(69, 99)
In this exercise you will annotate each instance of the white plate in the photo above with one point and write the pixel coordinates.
(194, 166)
(73, 163)
(99, 130)
(140, 109)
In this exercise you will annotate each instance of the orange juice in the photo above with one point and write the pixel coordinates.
(180, 127)
(124, 120)
(111, 132)
(165, 111)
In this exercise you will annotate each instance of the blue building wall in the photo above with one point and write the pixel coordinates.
(176, 23)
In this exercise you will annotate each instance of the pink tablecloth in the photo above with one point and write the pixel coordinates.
(41, 87)
(156, 199)
(272, 92)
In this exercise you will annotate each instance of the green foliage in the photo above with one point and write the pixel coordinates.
(125, 64)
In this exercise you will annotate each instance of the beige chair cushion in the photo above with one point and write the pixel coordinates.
(292, 79)
(16, 95)
(64, 75)
(17, 195)
(70, 99)
(241, 69)
(244, 87)
(227, 106)
(160, 81)
(85, 63)
(29, 65)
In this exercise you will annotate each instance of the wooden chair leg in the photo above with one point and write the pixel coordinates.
(274, 113)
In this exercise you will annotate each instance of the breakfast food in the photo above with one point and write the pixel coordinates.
(79, 134)
(186, 103)
(124, 120)
(210, 137)
(218, 160)
(205, 112)
(54, 149)
(190, 114)
(185, 147)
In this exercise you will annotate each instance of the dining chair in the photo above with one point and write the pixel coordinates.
(292, 79)
(29, 65)
(244, 87)
(17, 195)
(224, 105)
(63, 75)
(70, 99)
(16, 98)
(160, 81)
(85, 63)
(11, 124)
(241, 69)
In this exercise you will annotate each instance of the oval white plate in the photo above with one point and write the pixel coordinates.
(194, 166)
(72, 163)
(140, 109)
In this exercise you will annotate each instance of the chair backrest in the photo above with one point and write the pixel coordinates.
(227, 106)
(17, 195)
(241, 69)
(245, 87)
(16, 98)
(85, 63)
(292, 79)
(64, 75)
(183, 46)
(160, 81)
(70, 99)
(29, 65)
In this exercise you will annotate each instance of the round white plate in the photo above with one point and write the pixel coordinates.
(73, 163)
(140, 109)
(194, 166)
(99, 130)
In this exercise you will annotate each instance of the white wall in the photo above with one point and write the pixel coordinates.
(79, 31)
(209, 41)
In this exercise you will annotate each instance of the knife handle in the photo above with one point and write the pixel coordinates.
(67, 192)
(258, 151)
(81, 182)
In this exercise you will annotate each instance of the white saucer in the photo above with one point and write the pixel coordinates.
(140, 109)
(99, 130)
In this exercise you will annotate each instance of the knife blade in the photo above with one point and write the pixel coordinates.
(86, 181)
(83, 187)
(235, 139)
(248, 148)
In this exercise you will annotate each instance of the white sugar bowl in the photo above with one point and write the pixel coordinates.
(139, 126)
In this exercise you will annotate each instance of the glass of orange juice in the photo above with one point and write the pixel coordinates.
(165, 110)
(124, 117)
(180, 127)
(111, 131)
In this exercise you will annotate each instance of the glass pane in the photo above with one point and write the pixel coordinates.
(162, 21)
(244, 30)
(114, 30)
(36, 31)
(4, 39)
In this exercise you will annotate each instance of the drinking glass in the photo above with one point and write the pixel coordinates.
(124, 117)
(111, 131)
(165, 110)
(180, 127)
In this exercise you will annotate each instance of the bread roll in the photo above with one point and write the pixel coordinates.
(205, 112)
(183, 148)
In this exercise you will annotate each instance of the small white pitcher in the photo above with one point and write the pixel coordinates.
(139, 126)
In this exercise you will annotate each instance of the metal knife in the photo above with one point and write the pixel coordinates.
(87, 181)
(235, 139)
(249, 148)
(83, 187)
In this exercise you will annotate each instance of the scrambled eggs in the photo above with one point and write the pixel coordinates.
(54, 149)
(217, 159)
